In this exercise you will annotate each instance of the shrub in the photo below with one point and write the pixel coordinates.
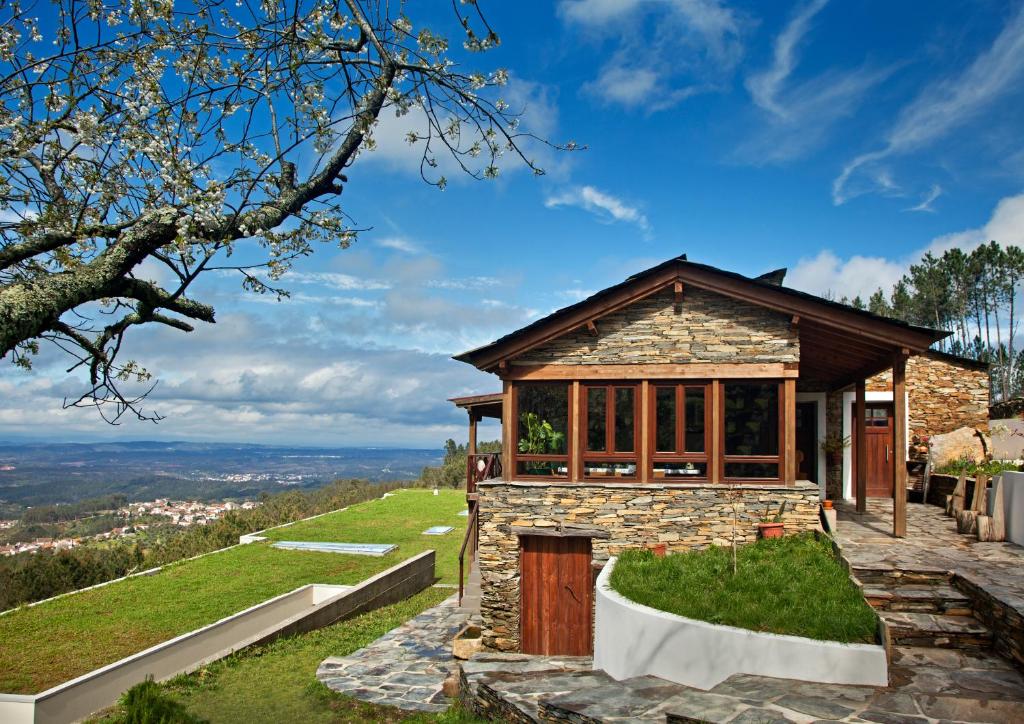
(146, 703)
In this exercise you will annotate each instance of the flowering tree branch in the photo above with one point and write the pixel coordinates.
(135, 133)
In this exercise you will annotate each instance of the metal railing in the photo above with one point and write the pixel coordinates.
(469, 538)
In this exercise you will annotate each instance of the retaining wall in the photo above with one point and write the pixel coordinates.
(304, 609)
(631, 639)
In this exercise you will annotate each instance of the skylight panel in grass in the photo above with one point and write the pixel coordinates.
(438, 530)
(356, 549)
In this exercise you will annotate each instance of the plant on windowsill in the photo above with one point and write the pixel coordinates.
(771, 526)
(833, 446)
(541, 439)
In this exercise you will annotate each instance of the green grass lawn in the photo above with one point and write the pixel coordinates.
(48, 644)
(277, 682)
(790, 585)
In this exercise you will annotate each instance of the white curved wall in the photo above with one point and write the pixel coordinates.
(635, 640)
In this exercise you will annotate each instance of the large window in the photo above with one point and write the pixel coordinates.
(751, 424)
(611, 437)
(542, 429)
(680, 431)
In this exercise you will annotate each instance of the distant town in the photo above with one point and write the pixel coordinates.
(137, 518)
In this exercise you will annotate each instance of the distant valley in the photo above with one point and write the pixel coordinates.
(48, 473)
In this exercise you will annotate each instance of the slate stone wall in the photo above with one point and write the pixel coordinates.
(708, 327)
(682, 517)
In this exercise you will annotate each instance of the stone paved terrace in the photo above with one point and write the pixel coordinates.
(989, 575)
(405, 667)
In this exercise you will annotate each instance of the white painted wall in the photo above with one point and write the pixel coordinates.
(635, 640)
(1013, 506)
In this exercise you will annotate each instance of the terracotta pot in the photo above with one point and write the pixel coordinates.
(771, 530)
(658, 549)
(826, 504)
(834, 458)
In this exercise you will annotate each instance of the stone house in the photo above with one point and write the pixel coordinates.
(651, 411)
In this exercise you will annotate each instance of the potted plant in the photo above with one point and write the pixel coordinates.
(540, 439)
(771, 526)
(833, 446)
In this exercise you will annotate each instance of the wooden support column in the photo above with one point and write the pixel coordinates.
(715, 474)
(860, 449)
(899, 445)
(508, 432)
(473, 419)
(789, 400)
(575, 445)
(645, 432)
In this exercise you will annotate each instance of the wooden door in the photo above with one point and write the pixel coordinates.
(880, 456)
(556, 596)
(807, 441)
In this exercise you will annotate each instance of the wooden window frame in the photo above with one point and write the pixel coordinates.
(518, 457)
(778, 459)
(679, 454)
(609, 454)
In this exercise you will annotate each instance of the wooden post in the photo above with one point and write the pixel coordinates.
(508, 432)
(473, 419)
(576, 445)
(789, 401)
(860, 449)
(899, 445)
(715, 475)
(645, 432)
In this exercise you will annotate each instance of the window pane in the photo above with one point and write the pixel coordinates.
(624, 409)
(596, 414)
(751, 419)
(752, 470)
(609, 469)
(665, 419)
(684, 470)
(543, 418)
(547, 468)
(694, 419)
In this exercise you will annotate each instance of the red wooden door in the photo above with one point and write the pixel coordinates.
(556, 596)
(880, 456)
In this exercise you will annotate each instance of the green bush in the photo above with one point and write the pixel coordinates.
(146, 703)
(966, 465)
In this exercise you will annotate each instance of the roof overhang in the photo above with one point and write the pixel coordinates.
(839, 344)
(481, 405)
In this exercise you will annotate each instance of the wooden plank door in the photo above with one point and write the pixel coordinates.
(556, 596)
(880, 455)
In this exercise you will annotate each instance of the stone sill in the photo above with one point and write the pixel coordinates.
(799, 485)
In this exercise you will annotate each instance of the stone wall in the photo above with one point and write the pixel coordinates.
(707, 328)
(834, 423)
(942, 394)
(681, 516)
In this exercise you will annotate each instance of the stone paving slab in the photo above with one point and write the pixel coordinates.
(405, 667)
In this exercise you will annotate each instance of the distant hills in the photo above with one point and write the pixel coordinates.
(38, 473)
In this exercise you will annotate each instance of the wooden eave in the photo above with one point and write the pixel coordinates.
(482, 405)
(865, 339)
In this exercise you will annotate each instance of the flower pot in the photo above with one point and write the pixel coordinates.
(834, 458)
(826, 504)
(771, 530)
(658, 549)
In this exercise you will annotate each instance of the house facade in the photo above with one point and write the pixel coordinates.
(679, 407)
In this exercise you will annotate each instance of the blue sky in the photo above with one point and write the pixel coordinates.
(840, 140)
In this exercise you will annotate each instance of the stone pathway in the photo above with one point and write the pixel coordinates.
(928, 685)
(405, 667)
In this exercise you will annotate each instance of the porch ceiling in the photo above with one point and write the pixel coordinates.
(482, 405)
(836, 357)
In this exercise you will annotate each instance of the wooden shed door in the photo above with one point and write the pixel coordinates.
(556, 593)
(881, 457)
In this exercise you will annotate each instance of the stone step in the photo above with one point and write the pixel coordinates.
(907, 628)
(508, 687)
(919, 598)
(889, 575)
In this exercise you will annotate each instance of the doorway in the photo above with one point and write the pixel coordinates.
(556, 587)
(807, 441)
(881, 458)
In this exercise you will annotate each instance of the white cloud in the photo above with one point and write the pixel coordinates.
(663, 51)
(926, 203)
(798, 117)
(606, 207)
(764, 87)
(942, 107)
(478, 282)
(398, 243)
(862, 275)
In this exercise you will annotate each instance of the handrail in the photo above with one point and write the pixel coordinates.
(476, 474)
(470, 534)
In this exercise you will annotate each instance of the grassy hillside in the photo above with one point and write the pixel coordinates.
(48, 644)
